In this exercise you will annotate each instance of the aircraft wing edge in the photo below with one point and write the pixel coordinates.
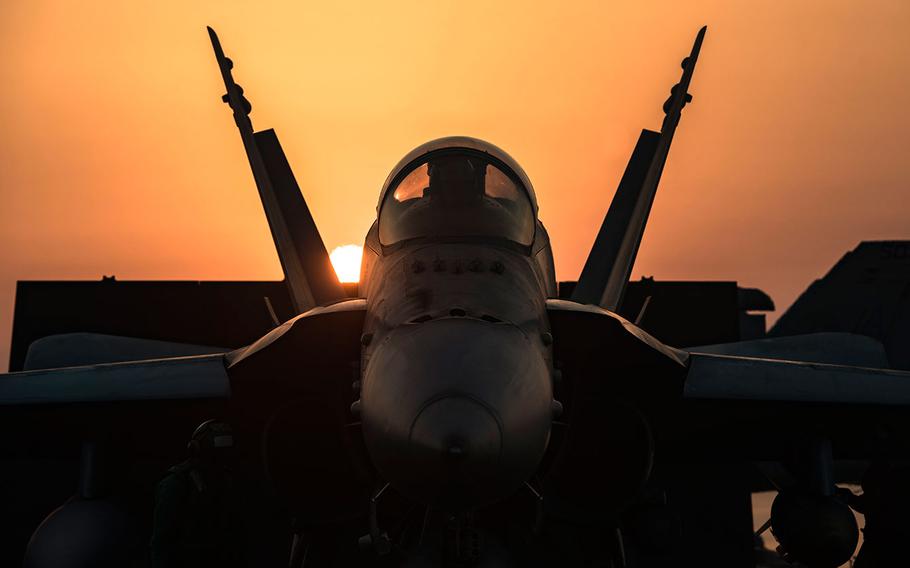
(79, 349)
(835, 348)
(195, 377)
(725, 377)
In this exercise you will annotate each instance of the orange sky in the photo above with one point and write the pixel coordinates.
(117, 156)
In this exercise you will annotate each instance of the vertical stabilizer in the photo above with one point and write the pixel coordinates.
(308, 245)
(307, 268)
(606, 273)
(595, 279)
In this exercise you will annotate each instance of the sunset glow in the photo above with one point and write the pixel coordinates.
(138, 171)
(346, 261)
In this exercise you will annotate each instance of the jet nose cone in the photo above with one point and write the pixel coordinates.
(457, 438)
(456, 413)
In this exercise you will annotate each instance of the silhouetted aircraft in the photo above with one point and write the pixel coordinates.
(457, 413)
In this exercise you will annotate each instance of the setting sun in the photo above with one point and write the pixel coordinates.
(346, 261)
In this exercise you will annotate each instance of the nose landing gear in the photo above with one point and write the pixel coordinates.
(376, 540)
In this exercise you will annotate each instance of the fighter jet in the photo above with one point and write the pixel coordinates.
(456, 412)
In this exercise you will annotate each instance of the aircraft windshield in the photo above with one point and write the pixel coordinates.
(457, 195)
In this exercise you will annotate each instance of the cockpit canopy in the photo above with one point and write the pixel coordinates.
(455, 193)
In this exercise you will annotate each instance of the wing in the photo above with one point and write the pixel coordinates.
(626, 394)
(606, 272)
(199, 377)
(324, 339)
(752, 409)
(733, 378)
(290, 388)
(287, 397)
(80, 349)
(833, 348)
(592, 341)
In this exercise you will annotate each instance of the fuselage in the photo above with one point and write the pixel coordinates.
(456, 390)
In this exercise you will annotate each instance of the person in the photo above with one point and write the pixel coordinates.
(196, 521)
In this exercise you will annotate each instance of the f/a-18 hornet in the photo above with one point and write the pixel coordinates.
(457, 412)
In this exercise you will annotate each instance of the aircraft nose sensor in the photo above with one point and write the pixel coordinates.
(457, 438)
(458, 427)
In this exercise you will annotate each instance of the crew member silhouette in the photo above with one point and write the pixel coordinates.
(197, 521)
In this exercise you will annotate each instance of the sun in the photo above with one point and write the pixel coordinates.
(346, 261)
